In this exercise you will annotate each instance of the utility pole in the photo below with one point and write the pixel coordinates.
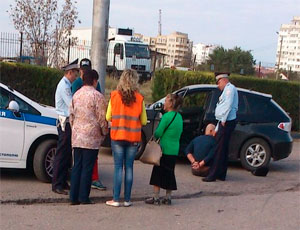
(99, 39)
(278, 65)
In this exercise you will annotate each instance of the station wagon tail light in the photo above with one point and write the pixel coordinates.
(285, 126)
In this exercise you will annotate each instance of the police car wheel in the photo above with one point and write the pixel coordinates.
(43, 160)
(141, 147)
(255, 154)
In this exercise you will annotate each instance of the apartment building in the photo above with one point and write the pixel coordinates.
(202, 51)
(288, 46)
(175, 46)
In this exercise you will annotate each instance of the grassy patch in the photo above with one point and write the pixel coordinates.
(145, 89)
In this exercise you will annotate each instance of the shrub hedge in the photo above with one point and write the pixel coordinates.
(39, 84)
(36, 82)
(286, 94)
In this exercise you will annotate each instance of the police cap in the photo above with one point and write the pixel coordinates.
(72, 65)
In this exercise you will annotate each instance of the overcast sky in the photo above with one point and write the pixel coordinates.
(249, 24)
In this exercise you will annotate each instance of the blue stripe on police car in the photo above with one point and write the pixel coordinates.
(28, 117)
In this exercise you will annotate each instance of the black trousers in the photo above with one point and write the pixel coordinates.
(63, 158)
(81, 177)
(218, 169)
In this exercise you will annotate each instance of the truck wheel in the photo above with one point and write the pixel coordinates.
(141, 147)
(255, 154)
(43, 160)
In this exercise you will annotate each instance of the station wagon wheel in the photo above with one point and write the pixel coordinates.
(255, 153)
(43, 160)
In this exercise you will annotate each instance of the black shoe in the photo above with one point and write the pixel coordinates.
(75, 203)
(152, 200)
(87, 202)
(60, 191)
(166, 201)
(208, 179)
(67, 187)
(221, 179)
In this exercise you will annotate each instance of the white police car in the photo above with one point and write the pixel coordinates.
(28, 134)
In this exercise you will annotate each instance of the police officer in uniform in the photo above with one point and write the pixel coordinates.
(225, 113)
(63, 157)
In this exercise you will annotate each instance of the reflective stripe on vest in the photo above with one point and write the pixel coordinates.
(126, 128)
(125, 117)
(126, 124)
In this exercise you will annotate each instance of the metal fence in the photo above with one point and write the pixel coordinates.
(10, 46)
(16, 47)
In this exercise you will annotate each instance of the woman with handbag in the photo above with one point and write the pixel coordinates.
(127, 113)
(169, 131)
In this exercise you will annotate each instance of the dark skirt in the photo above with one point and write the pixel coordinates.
(163, 176)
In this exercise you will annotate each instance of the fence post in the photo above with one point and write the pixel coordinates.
(69, 50)
(154, 64)
(21, 46)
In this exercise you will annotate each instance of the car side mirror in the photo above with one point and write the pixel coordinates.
(118, 49)
(158, 106)
(121, 52)
(13, 106)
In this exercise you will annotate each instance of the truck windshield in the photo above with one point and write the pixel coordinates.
(137, 50)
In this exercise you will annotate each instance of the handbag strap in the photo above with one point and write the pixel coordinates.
(158, 140)
(168, 125)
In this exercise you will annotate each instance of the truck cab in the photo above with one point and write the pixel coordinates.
(128, 52)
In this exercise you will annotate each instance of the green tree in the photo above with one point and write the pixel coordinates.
(233, 60)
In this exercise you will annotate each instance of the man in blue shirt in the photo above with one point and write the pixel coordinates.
(63, 157)
(225, 113)
(78, 83)
(201, 150)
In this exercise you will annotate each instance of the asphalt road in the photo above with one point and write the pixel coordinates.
(242, 202)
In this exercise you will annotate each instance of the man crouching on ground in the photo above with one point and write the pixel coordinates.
(201, 150)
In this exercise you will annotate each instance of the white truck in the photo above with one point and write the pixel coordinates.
(124, 51)
(127, 52)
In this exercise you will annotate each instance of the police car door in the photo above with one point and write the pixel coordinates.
(12, 130)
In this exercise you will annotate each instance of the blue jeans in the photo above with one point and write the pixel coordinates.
(81, 177)
(124, 153)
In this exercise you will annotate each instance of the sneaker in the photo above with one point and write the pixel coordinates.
(127, 203)
(98, 185)
(166, 201)
(152, 200)
(112, 203)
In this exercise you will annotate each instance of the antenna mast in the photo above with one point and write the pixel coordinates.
(159, 23)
